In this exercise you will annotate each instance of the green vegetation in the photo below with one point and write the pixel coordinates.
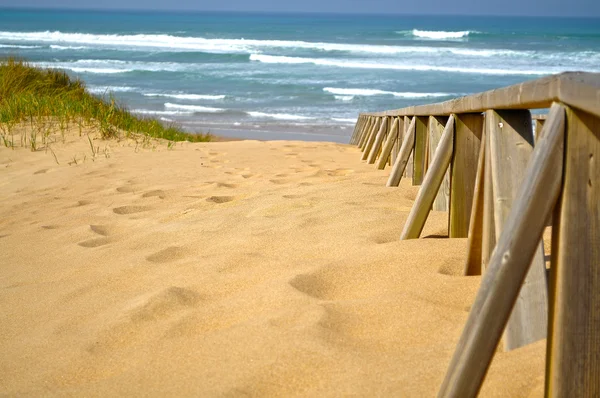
(50, 99)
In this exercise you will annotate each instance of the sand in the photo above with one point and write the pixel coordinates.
(240, 268)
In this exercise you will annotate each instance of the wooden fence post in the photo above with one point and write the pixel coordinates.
(389, 144)
(378, 140)
(476, 224)
(365, 133)
(399, 139)
(408, 170)
(420, 152)
(407, 147)
(509, 264)
(467, 140)
(511, 145)
(573, 355)
(371, 139)
(435, 129)
(431, 184)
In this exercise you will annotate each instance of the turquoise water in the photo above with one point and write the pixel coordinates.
(274, 76)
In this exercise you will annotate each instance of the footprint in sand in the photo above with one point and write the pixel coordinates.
(130, 209)
(96, 242)
(103, 230)
(279, 181)
(226, 185)
(42, 171)
(247, 176)
(126, 189)
(339, 172)
(156, 193)
(167, 255)
(220, 199)
(142, 315)
(50, 227)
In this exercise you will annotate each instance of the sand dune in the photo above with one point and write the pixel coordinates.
(226, 269)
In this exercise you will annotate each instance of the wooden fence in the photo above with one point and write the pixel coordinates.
(502, 183)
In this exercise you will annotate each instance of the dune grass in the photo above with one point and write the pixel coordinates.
(50, 99)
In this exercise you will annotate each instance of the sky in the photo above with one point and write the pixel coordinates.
(589, 8)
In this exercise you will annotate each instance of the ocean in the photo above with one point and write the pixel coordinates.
(292, 76)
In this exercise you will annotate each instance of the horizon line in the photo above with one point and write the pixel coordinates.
(324, 13)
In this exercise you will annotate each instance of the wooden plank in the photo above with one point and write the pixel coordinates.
(475, 241)
(399, 139)
(574, 348)
(356, 132)
(467, 141)
(539, 127)
(435, 129)
(579, 89)
(408, 170)
(420, 151)
(371, 138)
(511, 145)
(501, 283)
(431, 184)
(365, 133)
(408, 145)
(389, 144)
(488, 238)
(378, 141)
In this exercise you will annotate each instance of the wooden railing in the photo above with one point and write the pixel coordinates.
(478, 158)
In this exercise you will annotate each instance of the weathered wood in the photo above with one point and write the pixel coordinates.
(378, 141)
(467, 140)
(371, 138)
(399, 139)
(354, 132)
(488, 238)
(431, 184)
(408, 170)
(511, 145)
(420, 151)
(435, 129)
(357, 128)
(389, 144)
(579, 89)
(408, 145)
(475, 241)
(501, 283)
(573, 355)
(539, 127)
(365, 133)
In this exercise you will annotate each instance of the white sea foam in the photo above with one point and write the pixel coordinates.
(17, 46)
(439, 35)
(109, 89)
(186, 96)
(278, 116)
(116, 66)
(153, 112)
(236, 46)
(166, 119)
(57, 47)
(344, 97)
(273, 59)
(193, 108)
(344, 120)
(370, 92)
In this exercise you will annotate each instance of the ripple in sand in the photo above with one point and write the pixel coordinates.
(164, 304)
(97, 242)
(156, 193)
(167, 255)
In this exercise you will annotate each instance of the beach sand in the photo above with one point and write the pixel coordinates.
(240, 268)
